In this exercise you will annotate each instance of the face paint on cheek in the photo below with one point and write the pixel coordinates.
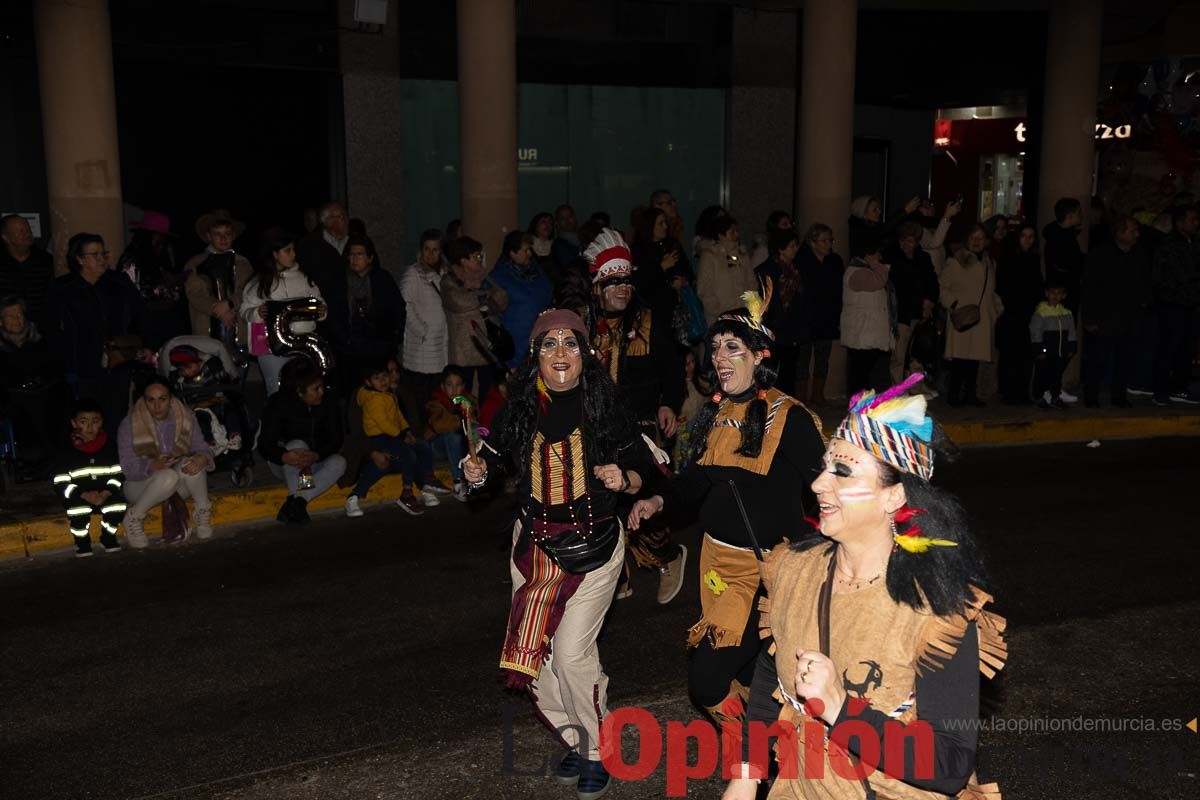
(856, 496)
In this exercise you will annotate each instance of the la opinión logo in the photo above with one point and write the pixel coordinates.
(724, 750)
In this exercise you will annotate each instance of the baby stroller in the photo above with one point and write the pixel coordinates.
(206, 378)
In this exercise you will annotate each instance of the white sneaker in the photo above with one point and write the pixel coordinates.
(135, 535)
(1066, 397)
(203, 519)
(460, 492)
(429, 498)
(1046, 397)
(352, 509)
(436, 487)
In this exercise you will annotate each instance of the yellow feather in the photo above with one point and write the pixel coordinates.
(919, 544)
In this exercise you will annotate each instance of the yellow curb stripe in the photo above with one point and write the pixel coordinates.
(43, 534)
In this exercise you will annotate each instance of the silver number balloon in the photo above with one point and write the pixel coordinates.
(285, 342)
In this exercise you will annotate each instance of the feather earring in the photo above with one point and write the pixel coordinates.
(543, 394)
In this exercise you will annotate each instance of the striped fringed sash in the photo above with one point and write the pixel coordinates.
(537, 608)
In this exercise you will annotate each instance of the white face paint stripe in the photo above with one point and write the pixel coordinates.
(855, 495)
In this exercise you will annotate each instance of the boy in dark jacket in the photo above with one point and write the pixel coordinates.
(88, 479)
(1052, 334)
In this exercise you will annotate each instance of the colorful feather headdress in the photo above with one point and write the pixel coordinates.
(608, 256)
(893, 426)
(756, 308)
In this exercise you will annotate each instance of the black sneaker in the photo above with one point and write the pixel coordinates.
(594, 780)
(1186, 398)
(287, 512)
(1161, 402)
(301, 511)
(109, 542)
(83, 547)
(568, 769)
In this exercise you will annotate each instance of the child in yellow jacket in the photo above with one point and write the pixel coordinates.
(443, 424)
(394, 448)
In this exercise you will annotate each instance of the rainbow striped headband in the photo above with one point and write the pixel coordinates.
(893, 427)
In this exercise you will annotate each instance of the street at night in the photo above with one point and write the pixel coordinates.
(357, 658)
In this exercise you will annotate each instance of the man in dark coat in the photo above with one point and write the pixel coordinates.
(26, 271)
(1176, 280)
(1060, 242)
(1116, 294)
(320, 252)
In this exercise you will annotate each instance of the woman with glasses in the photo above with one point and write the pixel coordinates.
(575, 450)
(820, 310)
(95, 325)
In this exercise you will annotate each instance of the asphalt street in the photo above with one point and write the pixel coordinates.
(357, 658)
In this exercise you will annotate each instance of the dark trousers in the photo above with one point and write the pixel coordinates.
(1047, 375)
(415, 462)
(111, 512)
(712, 670)
(1176, 340)
(1107, 355)
(861, 366)
(964, 373)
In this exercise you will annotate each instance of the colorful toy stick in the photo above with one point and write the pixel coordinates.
(471, 428)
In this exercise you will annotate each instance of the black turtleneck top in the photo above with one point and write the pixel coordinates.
(774, 502)
(562, 453)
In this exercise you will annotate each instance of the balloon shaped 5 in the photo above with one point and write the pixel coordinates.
(285, 342)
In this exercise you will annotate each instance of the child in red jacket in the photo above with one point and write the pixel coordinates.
(443, 425)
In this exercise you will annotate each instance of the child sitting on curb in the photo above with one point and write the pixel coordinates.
(443, 425)
(88, 479)
(394, 447)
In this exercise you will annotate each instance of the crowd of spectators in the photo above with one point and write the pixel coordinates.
(159, 349)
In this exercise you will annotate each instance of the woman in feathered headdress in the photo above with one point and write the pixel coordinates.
(878, 620)
(751, 435)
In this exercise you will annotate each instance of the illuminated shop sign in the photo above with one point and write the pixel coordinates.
(1102, 131)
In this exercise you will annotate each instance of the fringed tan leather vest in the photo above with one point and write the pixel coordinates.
(879, 646)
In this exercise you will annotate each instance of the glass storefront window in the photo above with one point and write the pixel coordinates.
(1000, 181)
(599, 148)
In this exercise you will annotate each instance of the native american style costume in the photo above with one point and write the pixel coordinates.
(769, 446)
(568, 544)
(899, 664)
(641, 357)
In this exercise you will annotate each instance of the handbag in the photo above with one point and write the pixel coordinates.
(967, 317)
(503, 347)
(575, 552)
(687, 321)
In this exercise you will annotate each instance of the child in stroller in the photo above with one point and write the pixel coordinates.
(202, 374)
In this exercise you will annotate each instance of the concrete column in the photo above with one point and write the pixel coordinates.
(370, 65)
(79, 122)
(825, 144)
(1069, 119)
(487, 113)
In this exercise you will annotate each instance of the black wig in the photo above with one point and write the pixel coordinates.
(755, 422)
(941, 576)
(606, 424)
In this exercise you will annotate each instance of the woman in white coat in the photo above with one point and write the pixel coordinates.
(277, 276)
(969, 279)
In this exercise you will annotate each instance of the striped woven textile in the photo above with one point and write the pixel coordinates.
(905, 453)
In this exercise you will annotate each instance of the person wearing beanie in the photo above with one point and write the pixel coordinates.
(576, 449)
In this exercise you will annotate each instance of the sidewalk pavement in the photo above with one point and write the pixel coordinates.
(31, 520)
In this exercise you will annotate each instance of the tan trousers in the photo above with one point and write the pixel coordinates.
(903, 334)
(572, 689)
